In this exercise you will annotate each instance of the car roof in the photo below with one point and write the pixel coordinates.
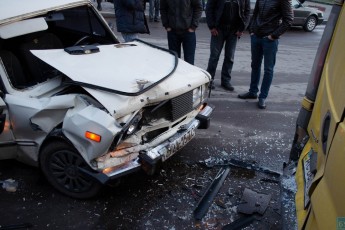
(13, 10)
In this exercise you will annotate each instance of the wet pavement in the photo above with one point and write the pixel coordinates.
(260, 139)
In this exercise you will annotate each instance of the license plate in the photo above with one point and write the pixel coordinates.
(178, 143)
(308, 177)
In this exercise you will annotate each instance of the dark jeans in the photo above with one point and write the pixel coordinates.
(154, 9)
(217, 43)
(262, 48)
(188, 42)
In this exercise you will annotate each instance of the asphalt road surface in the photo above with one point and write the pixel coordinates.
(239, 131)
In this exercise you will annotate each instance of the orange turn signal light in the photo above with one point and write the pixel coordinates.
(93, 136)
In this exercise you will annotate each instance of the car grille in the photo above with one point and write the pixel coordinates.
(181, 105)
(171, 110)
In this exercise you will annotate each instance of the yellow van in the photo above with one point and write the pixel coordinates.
(319, 143)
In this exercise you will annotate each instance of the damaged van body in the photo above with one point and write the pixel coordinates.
(84, 107)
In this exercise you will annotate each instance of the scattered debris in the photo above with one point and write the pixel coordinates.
(210, 193)
(211, 162)
(253, 202)
(268, 180)
(240, 223)
(9, 185)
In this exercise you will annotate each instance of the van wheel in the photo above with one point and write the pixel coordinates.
(60, 163)
(310, 24)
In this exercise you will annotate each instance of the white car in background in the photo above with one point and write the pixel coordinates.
(82, 106)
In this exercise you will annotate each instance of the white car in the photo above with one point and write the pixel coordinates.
(84, 107)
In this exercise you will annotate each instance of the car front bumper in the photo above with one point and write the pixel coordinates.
(148, 158)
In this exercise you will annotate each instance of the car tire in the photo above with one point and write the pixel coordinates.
(310, 24)
(59, 163)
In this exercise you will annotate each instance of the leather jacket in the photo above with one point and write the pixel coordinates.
(214, 10)
(271, 17)
(180, 15)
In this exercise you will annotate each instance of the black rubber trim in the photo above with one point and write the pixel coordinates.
(91, 86)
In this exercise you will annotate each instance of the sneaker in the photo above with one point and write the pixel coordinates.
(261, 103)
(227, 86)
(247, 95)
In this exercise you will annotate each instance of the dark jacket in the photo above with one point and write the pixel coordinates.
(130, 17)
(180, 15)
(214, 11)
(271, 17)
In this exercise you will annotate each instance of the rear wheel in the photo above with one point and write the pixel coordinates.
(60, 164)
(310, 24)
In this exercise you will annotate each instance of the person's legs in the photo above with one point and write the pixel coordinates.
(189, 45)
(270, 49)
(128, 37)
(99, 5)
(229, 53)
(174, 43)
(257, 55)
(216, 47)
(151, 9)
(157, 5)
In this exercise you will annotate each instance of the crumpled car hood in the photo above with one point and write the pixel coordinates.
(129, 68)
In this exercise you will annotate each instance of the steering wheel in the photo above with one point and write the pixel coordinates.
(82, 40)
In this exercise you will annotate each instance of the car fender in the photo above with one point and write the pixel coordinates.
(80, 120)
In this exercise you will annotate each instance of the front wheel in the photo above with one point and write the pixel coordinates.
(60, 163)
(310, 24)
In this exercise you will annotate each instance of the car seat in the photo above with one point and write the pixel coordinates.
(14, 69)
(38, 70)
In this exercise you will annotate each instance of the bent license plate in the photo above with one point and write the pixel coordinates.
(178, 143)
(308, 177)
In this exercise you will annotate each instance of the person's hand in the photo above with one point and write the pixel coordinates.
(270, 37)
(214, 32)
(168, 29)
(239, 34)
(190, 30)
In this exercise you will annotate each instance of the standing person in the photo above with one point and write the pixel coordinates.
(226, 19)
(180, 18)
(271, 18)
(130, 18)
(154, 10)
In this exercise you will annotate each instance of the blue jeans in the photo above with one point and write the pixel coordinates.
(217, 43)
(129, 37)
(188, 42)
(262, 48)
(154, 9)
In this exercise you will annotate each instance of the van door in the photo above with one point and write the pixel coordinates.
(327, 132)
(7, 142)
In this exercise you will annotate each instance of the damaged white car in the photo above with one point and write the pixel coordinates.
(84, 107)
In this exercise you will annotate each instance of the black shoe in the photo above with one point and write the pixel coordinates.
(247, 95)
(151, 20)
(156, 20)
(99, 7)
(261, 103)
(227, 86)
